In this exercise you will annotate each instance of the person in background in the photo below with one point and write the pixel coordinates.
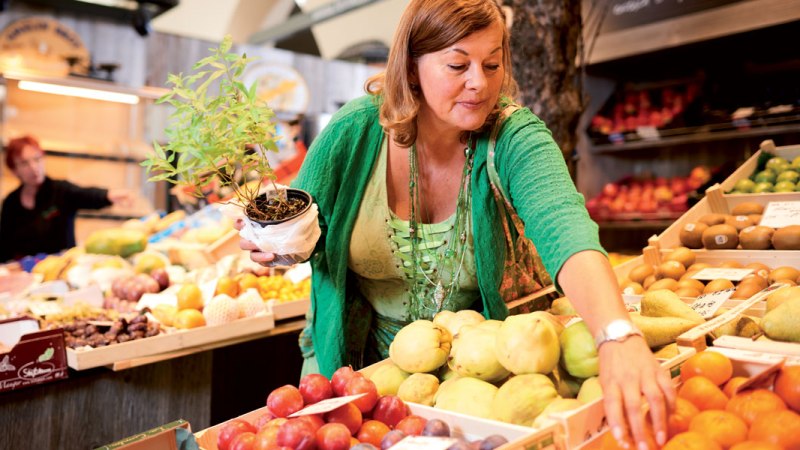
(409, 220)
(39, 216)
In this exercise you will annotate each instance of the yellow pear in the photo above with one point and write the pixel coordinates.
(420, 346)
(527, 343)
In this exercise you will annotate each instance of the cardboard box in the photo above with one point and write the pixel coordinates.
(172, 436)
(36, 357)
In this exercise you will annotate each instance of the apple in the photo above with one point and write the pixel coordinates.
(390, 409)
(315, 420)
(372, 432)
(298, 434)
(230, 430)
(412, 425)
(340, 379)
(284, 401)
(610, 190)
(266, 439)
(315, 388)
(263, 420)
(348, 415)
(243, 441)
(361, 385)
(274, 423)
(333, 436)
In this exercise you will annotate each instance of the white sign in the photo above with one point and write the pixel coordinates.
(91, 295)
(327, 405)
(706, 305)
(424, 443)
(632, 302)
(722, 273)
(781, 214)
(648, 133)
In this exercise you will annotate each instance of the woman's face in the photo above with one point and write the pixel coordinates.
(29, 166)
(461, 84)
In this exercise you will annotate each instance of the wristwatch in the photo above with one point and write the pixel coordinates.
(617, 330)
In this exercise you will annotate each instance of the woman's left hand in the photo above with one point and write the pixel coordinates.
(630, 373)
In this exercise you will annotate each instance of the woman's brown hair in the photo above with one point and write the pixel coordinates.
(428, 26)
(15, 147)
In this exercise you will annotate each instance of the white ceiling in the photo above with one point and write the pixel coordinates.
(211, 20)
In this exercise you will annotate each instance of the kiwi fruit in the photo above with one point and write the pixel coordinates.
(696, 267)
(720, 237)
(746, 290)
(664, 283)
(730, 265)
(783, 273)
(756, 238)
(754, 279)
(691, 234)
(719, 284)
(648, 281)
(755, 218)
(670, 269)
(759, 269)
(683, 255)
(640, 272)
(688, 292)
(787, 238)
(739, 222)
(691, 283)
(747, 208)
(712, 219)
(632, 288)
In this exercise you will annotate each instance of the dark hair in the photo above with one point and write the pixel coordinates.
(429, 26)
(15, 147)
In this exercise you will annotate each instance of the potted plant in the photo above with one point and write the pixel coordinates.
(221, 129)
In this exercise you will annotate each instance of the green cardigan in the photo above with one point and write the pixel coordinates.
(337, 169)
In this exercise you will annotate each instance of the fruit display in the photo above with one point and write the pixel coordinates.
(739, 230)
(84, 326)
(773, 174)
(642, 198)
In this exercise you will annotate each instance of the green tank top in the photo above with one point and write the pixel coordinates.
(379, 253)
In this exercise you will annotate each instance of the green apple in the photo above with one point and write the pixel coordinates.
(796, 163)
(788, 175)
(765, 176)
(745, 185)
(784, 186)
(775, 162)
(762, 187)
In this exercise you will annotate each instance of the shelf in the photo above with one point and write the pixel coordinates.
(635, 224)
(703, 136)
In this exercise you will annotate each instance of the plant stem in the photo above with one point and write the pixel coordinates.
(279, 192)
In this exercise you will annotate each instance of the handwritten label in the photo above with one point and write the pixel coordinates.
(706, 305)
(722, 273)
(649, 133)
(326, 405)
(632, 302)
(424, 443)
(781, 214)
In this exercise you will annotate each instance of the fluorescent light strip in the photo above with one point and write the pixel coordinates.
(72, 91)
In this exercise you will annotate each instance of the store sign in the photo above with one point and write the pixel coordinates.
(631, 13)
(43, 45)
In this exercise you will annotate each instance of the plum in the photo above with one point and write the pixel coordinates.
(492, 442)
(391, 438)
(461, 444)
(436, 427)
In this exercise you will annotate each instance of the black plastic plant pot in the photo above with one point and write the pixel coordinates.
(290, 193)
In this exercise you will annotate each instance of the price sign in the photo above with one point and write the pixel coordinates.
(781, 214)
(326, 405)
(632, 302)
(707, 305)
(722, 273)
(648, 133)
(424, 443)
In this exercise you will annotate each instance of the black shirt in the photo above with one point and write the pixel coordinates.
(50, 226)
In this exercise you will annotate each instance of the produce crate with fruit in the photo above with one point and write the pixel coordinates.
(770, 170)
(731, 399)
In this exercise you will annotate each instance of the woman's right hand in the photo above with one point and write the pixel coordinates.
(256, 254)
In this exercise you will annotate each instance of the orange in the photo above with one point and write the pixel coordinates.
(609, 443)
(703, 393)
(246, 281)
(732, 384)
(712, 365)
(679, 420)
(726, 428)
(691, 440)
(372, 432)
(752, 403)
(189, 318)
(778, 427)
(226, 285)
(756, 445)
(787, 386)
(190, 297)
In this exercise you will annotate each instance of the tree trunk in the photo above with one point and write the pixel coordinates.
(544, 46)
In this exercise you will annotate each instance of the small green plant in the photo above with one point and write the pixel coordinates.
(215, 134)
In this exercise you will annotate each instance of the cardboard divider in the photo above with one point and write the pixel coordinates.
(35, 357)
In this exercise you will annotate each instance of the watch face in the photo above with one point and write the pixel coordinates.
(618, 328)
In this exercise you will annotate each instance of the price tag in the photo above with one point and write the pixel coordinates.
(424, 443)
(632, 302)
(91, 295)
(781, 214)
(649, 133)
(326, 405)
(707, 305)
(722, 273)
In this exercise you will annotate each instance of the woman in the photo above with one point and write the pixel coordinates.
(413, 154)
(39, 216)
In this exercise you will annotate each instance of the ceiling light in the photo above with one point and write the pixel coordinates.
(72, 91)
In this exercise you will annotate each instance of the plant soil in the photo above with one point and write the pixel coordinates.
(272, 209)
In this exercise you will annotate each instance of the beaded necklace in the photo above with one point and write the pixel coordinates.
(447, 264)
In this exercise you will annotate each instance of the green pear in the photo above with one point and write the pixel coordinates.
(590, 390)
(523, 397)
(388, 377)
(781, 295)
(579, 351)
(659, 331)
(469, 396)
(566, 385)
(780, 324)
(668, 351)
(420, 346)
(490, 324)
(527, 343)
(665, 303)
(472, 354)
(419, 388)
(562, 307)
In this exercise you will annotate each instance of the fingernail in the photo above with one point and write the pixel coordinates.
(661, 438)
(617, 433)
(643, 445)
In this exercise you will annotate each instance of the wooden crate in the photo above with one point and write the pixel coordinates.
(749, 167)
(288, 310)
(181, 340)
